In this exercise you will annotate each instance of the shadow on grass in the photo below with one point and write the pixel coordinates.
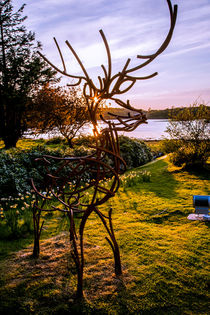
(163, 182)
(123, 301)
(203, 174)
(47, 285)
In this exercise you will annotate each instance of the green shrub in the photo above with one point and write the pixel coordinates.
(16, 170)
(84, 140)
(13, 176)
(134, 152)
(170, 145)
(156, 148)
(56, 140)
(190, 156)
(189, 142)
(82, 150)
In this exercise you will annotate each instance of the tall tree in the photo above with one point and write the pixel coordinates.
(21, 72)
(58, 109)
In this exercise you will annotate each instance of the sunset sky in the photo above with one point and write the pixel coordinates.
(131, 27)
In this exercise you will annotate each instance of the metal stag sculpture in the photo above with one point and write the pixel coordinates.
(74, 177)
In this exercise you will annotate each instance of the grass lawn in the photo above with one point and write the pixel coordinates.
(164, 255)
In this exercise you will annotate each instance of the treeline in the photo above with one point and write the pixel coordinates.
(105, 112)
(151, 113)
(158, 113)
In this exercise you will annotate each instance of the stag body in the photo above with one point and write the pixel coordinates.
(69, 189)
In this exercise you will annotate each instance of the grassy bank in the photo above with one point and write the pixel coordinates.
(164, 255)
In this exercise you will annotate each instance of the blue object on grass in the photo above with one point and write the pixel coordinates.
(201, 204)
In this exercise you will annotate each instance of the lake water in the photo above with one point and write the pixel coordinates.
(153, 130)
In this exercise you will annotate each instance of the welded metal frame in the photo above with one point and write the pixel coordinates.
(68, 190)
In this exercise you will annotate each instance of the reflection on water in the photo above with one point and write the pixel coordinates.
(153, 130)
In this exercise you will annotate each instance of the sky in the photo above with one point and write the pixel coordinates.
(132, 27)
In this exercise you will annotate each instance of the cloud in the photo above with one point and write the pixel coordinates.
(131, 27)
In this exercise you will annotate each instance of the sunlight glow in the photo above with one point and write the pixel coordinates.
(96, 99)
(90, 129)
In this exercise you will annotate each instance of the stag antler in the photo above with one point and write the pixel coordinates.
(91, 92)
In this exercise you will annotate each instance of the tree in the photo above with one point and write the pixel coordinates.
(189, 136)
(58, 109)
(21, 72)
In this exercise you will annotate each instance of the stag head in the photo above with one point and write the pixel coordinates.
(110, 85)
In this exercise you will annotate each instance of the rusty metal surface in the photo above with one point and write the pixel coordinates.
(68, 184)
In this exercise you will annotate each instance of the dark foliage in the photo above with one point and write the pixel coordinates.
(58, 109)
(21, 72)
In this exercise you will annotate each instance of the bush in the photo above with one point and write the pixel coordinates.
(82, 150)
(56, 140)
(16, 169)
(28, 168)
(84, 140)
(156, 148)
(13, 176)
(170, 145)
(190, 156)
(189, 136)
(134, 152)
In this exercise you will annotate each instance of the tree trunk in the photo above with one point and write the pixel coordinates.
(70, 143)
(12, 126)
(10, 141)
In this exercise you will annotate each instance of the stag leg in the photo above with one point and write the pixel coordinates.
(112, 241)
(75, 254)
(78, 258)
(81, 232)
(37, 231)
